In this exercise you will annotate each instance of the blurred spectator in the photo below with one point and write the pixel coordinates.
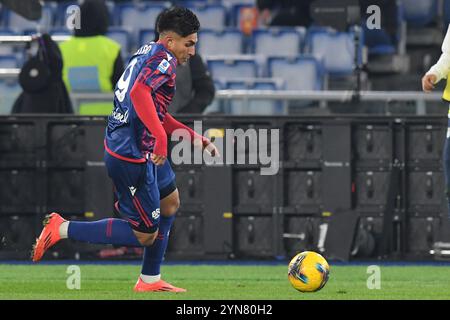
(285, 12)
(92, 61)
(195, 87)
(41, 81)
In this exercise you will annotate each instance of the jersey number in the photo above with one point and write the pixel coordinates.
(123, 83)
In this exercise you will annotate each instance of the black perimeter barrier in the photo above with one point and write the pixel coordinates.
(350, 187)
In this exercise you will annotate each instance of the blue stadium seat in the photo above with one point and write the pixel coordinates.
(122, 37)
(61, 12)
(9, 61)
(301, 73)
(212, 42)
(420, 13)
(278, 41)
(446, 14)
(255, 106)
(18, 23)
(211, 16)
(379, 42)
(139, 16)
(324, 44)
(216, 106)
(223, 69)
(146, 36)
(7, 49)
(9, 91)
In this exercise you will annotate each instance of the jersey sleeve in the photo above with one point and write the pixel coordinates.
(156, 71)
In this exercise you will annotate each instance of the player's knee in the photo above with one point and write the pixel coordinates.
(146, 239)
(170, 207)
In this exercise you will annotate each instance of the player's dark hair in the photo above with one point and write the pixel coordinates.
(180, 20)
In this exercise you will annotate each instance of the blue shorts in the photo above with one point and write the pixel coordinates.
(137, 187)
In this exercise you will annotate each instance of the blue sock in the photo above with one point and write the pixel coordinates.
(153, 255)
(106, 231)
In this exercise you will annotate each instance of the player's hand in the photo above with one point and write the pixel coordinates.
(211, 149)
(157, 160)
(428, 82)
(207, 145)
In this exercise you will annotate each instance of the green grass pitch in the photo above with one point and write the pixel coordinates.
(222, 282)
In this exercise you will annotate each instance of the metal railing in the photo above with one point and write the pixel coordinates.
(419, 98)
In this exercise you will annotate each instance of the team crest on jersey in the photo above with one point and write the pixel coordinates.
(163, 66)
(155, 214)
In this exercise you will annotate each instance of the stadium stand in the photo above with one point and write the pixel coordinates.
(382, 53)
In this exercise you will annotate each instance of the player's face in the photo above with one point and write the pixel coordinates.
(183, 47)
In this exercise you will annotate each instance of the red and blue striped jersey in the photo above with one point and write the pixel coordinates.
(126, 136)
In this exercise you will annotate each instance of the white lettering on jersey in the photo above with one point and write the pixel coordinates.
(144, 49)
(123, 83)
(121, 117)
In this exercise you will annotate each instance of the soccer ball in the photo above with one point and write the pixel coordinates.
(308, 271)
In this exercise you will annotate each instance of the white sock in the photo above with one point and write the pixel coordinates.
(63, 228)
(150, 279)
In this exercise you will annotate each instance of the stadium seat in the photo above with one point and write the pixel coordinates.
(18, 23)
(379, 42)
(225, 68)
(9, 61)
(255, 106)
(301, 73)
(145, 36)
(216, 106)
(7, 49)
(423, 23)
(278, 41)
(211, 17)
(138, 16)
(212, 42)
(9, 91)
(420, 13)
(61, 12)
(121, 36)
(324, 44)
(446, 14)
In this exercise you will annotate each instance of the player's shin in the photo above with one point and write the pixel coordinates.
(107, 231)
(153, 255)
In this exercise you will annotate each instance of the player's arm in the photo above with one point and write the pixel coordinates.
(171, 124)
(146, 111)
(441, 69)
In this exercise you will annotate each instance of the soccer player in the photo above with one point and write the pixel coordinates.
(136, 151)
(437, 72)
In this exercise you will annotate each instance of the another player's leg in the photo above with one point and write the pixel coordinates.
(139, 229)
